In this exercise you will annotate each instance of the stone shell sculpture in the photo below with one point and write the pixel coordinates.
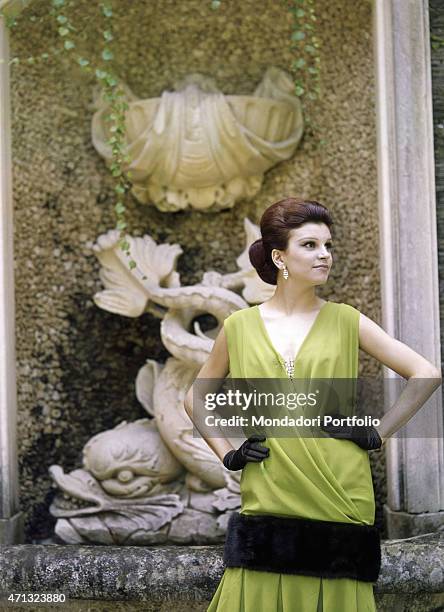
(198, 148)
(153, 481)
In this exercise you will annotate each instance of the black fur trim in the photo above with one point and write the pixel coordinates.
(303, 546)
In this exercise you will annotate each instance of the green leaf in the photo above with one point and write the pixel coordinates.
(63, 31)
(310, 49)
(119, 208)
(119, 189)
(298, 35)
(299, 90)
(132, 264)
(111, 81)
(299, 12)
(215, 4)
(58, 3)
(121, 225)
(107, 10)
(101, 74)
(312, 70)
(107, 54)
(62, 18)
(69, 45)
(83, 62)
(116, 172)
(299, 63)
(11, 22)
(44, 55)
(107, 35)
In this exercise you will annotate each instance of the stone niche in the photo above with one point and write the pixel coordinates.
(76, 362)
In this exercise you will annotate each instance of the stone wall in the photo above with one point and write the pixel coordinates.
(76, 364)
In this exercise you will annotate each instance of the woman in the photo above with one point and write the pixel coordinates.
(304, 540)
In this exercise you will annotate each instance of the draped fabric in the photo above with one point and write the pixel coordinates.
(315, 478)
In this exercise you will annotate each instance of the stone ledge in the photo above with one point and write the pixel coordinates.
(412, 565)
(411, 568)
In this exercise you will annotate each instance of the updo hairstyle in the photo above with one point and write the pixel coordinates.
(276, 223)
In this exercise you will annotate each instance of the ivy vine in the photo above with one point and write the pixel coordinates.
(306, 67)
(303, 40)
(305, 43)
(436, 41)
(111, 92)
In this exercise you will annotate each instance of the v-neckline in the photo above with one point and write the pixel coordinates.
(304, 342)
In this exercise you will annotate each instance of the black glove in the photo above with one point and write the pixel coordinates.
(250, 450)
(365, 436)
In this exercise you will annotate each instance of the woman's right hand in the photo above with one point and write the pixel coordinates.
(250, 450)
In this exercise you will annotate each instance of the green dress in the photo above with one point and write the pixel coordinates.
(315, 478)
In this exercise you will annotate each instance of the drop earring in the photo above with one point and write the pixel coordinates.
(285, 272)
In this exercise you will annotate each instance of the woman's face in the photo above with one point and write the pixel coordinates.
(309, 247)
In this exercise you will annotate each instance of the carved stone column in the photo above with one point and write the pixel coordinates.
(409, 252)
(11, 519)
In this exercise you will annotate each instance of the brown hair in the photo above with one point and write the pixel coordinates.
(276, 223)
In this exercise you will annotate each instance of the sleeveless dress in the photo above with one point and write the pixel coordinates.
(324, 479)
